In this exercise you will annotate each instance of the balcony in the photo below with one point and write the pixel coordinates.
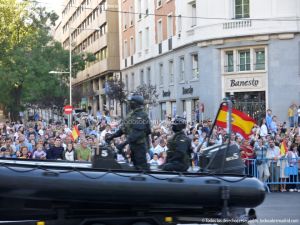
(237, 24)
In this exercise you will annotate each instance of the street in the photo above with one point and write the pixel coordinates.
(283, 207)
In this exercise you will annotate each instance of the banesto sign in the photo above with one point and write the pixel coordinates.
(244, 83)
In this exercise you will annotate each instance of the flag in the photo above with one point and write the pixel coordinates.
(283, 148)
(241, 122)
(75, 133)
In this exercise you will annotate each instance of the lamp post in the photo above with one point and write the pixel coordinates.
(70, 67)
(70, 88)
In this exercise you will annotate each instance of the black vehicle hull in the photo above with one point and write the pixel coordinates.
(130, 188)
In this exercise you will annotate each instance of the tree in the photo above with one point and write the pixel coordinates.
(28, 53)
(115, 89)
(149, 92)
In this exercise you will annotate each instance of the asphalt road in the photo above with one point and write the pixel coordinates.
(279, 208)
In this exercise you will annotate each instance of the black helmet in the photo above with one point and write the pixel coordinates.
(178, 124)
(135, 101)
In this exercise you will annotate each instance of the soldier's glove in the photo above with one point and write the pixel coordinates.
(109, 137)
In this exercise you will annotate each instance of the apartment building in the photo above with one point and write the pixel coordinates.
(199, 51)
(94, 27)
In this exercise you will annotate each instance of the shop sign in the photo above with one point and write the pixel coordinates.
(186, 91)
(166, 93)
(244, 83)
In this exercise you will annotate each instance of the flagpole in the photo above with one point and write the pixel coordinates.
(212, 128)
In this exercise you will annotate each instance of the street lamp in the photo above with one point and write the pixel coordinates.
(70, 88)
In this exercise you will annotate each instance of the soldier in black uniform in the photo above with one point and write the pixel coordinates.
(179, 148)
(137, 128)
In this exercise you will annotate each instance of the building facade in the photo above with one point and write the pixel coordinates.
(94, 27)
(198, 52)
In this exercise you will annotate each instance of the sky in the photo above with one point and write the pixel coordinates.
(56, 5)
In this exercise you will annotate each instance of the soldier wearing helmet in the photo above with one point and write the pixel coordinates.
(179, 148)
(136, 127)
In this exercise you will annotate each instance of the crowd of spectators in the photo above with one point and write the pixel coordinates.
(261, 153)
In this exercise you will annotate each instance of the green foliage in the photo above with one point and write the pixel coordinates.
(116, 90)
(149, 92)
(27, 54)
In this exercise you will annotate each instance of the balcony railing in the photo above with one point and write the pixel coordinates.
(228, 69)
(237, 24)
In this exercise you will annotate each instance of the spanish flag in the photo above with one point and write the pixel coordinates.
(75, 133)
(283, 148)
(241, 122)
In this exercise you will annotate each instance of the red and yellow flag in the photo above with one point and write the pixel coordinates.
(241, 122)
(75, 133)
(283, 148)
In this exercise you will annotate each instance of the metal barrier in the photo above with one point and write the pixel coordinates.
(278, 175)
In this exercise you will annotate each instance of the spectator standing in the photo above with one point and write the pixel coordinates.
(83, 152)
(273, 155)
(295, 111)
(298, 116)
(40, 153)
(263, 132)
(261, 160)
(55, 152)
(161, 147)
(269, 118)
(292, 169)
(273, 126)
(70, 153)
(291, 115)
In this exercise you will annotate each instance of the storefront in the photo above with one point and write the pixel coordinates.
(248, 92)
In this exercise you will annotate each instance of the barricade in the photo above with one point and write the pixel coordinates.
(278, 175)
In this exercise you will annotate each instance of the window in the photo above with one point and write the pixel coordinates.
(131, 13)
(139, 9)
(125, 49)
(195, 66)
(259, 59)
(241, 9)
(229, 61)
(147, 38)
(161, 78)
(181, 75)
(146, 7)
(140, 40)
(148, 75)
(170, 26)
(179, 25)
(194, 14)
(125, 19)
(142, 77)
(171, 71)
(158, 3)
(163, 110)
(131, 46)
(244, 60)
(132, 81)
(159, 31)
(126, 82)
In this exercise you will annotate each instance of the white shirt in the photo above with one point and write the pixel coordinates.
(159, 149)
(69, 155)
(263, 130)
